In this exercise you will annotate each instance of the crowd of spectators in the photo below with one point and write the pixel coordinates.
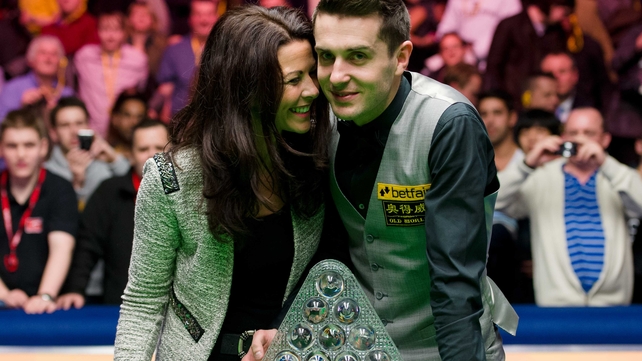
(540, 72)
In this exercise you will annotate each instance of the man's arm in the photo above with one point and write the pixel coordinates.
(462, 169)
(61, 246)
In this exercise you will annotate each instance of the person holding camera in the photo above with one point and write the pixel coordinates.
(578, 199)
(78, 156)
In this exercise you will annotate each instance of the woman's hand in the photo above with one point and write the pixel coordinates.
(260, 343)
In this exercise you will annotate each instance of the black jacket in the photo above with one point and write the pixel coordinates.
(106, 231)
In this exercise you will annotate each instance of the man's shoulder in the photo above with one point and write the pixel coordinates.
(19, 83)
(87, 52)
(58, 184)
(178, 48)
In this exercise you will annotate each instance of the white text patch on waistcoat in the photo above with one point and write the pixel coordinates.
(403, 205)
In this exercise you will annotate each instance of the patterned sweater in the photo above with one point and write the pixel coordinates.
(177, 262)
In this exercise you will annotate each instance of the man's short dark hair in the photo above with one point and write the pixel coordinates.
(545, 5)
(26, 117)
(148, 123)
(537, 118)
(395, 26)
(504, 96)
(67, 102)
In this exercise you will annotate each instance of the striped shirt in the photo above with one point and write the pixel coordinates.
(584, 232)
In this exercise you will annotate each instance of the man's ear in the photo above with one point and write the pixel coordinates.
(403, 56)
(44, 147)
(606, 140)
(53, 135)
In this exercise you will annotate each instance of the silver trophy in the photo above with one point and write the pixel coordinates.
(331, 319)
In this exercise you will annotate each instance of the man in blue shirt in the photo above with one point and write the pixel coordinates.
(45, 56)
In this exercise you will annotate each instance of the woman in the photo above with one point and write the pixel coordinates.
(229, 218)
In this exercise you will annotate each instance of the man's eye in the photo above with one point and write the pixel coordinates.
(359, 56)
(326, 56)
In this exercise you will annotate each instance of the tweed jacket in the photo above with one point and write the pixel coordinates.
(180, 275)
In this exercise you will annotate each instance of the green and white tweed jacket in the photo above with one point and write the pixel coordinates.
(180, 276)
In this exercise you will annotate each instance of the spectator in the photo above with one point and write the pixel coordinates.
(107, 223)
(75, 28)
(578, 207)
(424, 18)
(499, 116)
(84, 169)
(179, 61)
(128, 111)
(43, 83)
(637, 244)
(13, 42)
(452, 51)
(40, 218)
(541, 92)
(563, 67)
(626, 123)
(466, 79)
(143, 34)
(476, 22)
(535, 125)
(106, 70)
(521, 41)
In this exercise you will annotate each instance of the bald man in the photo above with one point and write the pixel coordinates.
(578, 204)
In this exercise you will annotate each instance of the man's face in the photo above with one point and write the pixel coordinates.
(544, 95)
(46, 59)
(131, 113)
(111, 33)
(23, 151)
(561, 66)
(585, 124)
(356, 72)
(451, 50)
(498, 119)
(69, 121)
(557, 14)
(140, 18)
(202, 17)
(471, 89)
(68, 6)
(145, 143)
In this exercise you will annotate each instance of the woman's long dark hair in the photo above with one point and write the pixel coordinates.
(232, 112)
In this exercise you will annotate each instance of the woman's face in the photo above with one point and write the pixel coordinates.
(140, 19)
(300, 86)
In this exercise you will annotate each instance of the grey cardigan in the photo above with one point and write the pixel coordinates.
(180, 276)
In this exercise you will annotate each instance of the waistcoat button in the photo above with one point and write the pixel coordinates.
(374, 267)
(369, 238)
(379, 295)
(361, 206)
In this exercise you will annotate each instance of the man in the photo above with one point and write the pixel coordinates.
(476, 22)
(465, 78)
(180, 60)
(106, 70)
(418, 235)
(40, 218)
(107, 223)
(499, 116)
(85, 169)
(563, 67)
(452, 51)
(540, 92)
(44, 56)
(578, 206)
(75, 28)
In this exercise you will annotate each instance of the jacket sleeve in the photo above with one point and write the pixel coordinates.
(510, 199)
(627, 182)
(156, 240)
(463, 172)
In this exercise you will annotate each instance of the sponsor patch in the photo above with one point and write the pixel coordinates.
(33, 225)
(403, 205)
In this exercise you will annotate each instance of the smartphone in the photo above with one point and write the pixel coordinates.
(86, 137)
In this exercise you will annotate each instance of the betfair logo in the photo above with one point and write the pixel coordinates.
(397, 192)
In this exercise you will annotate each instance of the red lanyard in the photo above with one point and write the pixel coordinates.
(11, 260)
(136, 182)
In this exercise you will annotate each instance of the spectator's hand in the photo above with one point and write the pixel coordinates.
(260, 343)
(78, 160)
(37, 305)
(543, 151)
(101, 150)
(70, 299)
(589, 153)
(16, 299)
(31, 96)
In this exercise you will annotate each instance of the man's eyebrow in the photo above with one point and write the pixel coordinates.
(356, 48)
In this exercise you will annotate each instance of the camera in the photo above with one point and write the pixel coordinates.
(567, 149)
(85, 137)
